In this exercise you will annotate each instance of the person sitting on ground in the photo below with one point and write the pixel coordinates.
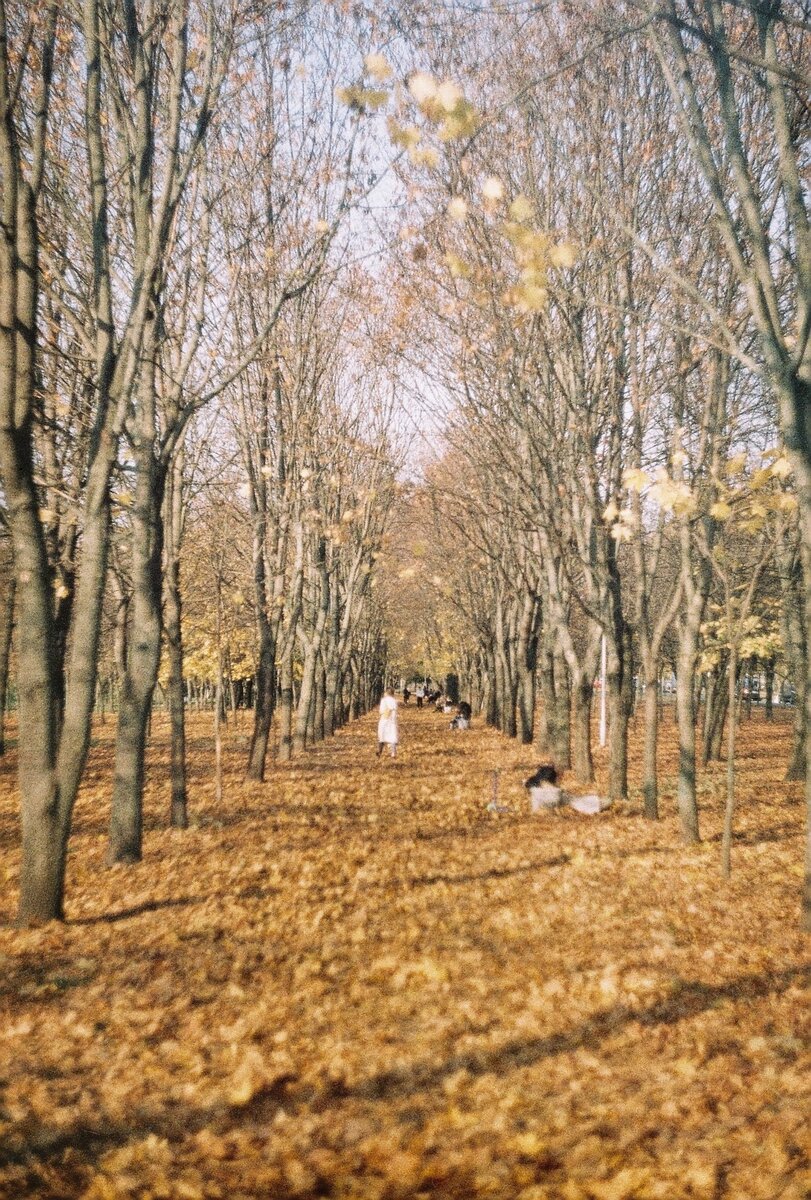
(463, 714)
(544, 794)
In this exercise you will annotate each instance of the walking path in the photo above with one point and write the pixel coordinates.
(355, 981)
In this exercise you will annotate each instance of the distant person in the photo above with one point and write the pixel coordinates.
(387, 732)
(406, 695)
(419, 693)
(545, 794)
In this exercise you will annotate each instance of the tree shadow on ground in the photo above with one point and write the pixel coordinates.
(688, 999)
(90, 1140)
(319, 891)
(137, 910)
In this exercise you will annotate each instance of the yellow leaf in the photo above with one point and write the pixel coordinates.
(493, 189)
(448, 96)
(405, 136)
(363, 98)
(423, 156)
(527, 297)
(457, 208)
(378, 67)
(563, 255)
(521, 208)
(635, 479)
(457, 266)
(423, 87)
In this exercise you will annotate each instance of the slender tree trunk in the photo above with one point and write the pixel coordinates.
(138, 685)
(582, 695)
(650, 784)
(695, 592)
(44, 838)
(686, 788)
(265, 700)
(305, 700)
(218, 703)
(178, 817)
(332, 708)
(706, 724)
(729, 813)
(795, 640)
(490, 698)
(6, 626)
(804, 481)
(545, 685)
(319, 702)
(799, 757)
(561, 731)
(286, 706)
(526, 653)
(617, 732)
(769, 700)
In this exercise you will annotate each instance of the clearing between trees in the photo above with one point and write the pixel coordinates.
(355, 981)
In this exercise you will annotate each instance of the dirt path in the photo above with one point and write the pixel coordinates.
(354, 981)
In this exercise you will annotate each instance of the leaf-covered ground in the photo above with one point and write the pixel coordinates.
(354, 981)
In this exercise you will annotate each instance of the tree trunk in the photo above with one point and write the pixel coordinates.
(582, 695)
(332, 708)
(545, 684)
(769, 701)
(178, 816)
(305, 700)
(218, 703)
(686, 788)
(6, 626)
(526, 654)
(617, 732)
(561, 729)
(319, 702)
(44, 836)
(490, 700)
(798, 762)
(286, 706)
(650, 784)
(265, 697)
(144, 650)
(709, 706)
(729, 812)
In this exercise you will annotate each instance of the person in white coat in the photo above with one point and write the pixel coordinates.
(387, 731)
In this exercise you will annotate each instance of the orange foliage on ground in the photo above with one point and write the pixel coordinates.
(355, 981)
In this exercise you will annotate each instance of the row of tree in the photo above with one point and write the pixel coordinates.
(177, 185)
(600, 269)
(615, 297)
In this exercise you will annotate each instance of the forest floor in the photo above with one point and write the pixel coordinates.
(354, 981)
